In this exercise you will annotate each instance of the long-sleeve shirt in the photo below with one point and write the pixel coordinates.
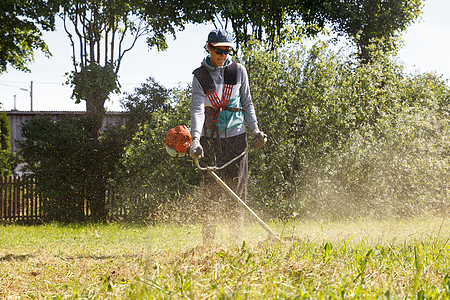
(230, 123)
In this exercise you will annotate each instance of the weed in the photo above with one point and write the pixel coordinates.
(371, 259)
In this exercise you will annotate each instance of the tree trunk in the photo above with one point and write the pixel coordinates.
(96, 194)
(95, 111)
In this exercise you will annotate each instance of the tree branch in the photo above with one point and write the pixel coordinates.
(113, 38)
(141, 31)
(72, 43)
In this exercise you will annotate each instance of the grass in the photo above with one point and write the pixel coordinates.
(367, 259)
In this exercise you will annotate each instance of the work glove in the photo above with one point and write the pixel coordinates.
(196, 150)
(259, 138)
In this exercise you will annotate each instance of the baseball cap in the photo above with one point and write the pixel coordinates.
(220, 37)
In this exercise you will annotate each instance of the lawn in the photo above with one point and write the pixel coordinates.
(367, 259)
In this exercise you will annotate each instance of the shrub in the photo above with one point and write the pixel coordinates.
(344, 140)
(397, 168)
(150, 185)
(5, 146)
(312, 104)
(60, 155)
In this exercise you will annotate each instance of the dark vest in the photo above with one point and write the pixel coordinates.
(206, 81)
(209, 88)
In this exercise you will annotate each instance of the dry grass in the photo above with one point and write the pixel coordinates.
(366, 258)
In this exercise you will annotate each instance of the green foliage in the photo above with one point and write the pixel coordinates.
(149, 183)
(344, 140)
(388, 259)
(370, 22)
(270, 22)
(5, 146)
(313, 103)
(69, 166)
(93, 82)
(147, 99)
(276, 23)
(20, 32)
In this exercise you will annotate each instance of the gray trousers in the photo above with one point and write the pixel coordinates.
(214, 202)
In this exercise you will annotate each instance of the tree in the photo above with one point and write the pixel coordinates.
(64, 162)
(5, 146)
(333, 127)
(102, 32)
(368, 22)
(274, 23)
(271, 22)
(150, 97)
(20, 31)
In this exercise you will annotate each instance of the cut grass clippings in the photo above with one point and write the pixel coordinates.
(392, 259)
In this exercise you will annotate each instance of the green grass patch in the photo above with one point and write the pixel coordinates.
(366, 259)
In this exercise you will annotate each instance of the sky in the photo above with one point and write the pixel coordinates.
(427, 44)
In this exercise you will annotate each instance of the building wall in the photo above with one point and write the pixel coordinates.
(18, 118)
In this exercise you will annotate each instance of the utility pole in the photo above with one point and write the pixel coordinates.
(31, 95)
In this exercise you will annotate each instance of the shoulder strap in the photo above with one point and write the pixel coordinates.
(230, 73)
(205, 79)
(207, 83)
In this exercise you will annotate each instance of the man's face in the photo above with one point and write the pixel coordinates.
(218, 55)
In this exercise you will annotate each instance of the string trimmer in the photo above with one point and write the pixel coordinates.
(211, 170)
(178, 142)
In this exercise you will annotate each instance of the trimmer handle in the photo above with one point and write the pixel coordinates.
(198, 152)
(215, 168)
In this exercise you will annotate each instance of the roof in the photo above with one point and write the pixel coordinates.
(18, 112)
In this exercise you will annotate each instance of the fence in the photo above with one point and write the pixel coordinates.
(19, 201)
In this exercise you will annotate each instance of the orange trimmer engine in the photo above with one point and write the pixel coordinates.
(178, 141)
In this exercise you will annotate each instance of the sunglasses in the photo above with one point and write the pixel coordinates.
(220, 51)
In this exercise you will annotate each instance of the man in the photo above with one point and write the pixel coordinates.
(221, 109)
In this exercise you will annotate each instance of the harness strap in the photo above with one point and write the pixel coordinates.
(230, 73)
(214, 99)
(205, 80)
(216, 114)
(209, 87)
(233, 109)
